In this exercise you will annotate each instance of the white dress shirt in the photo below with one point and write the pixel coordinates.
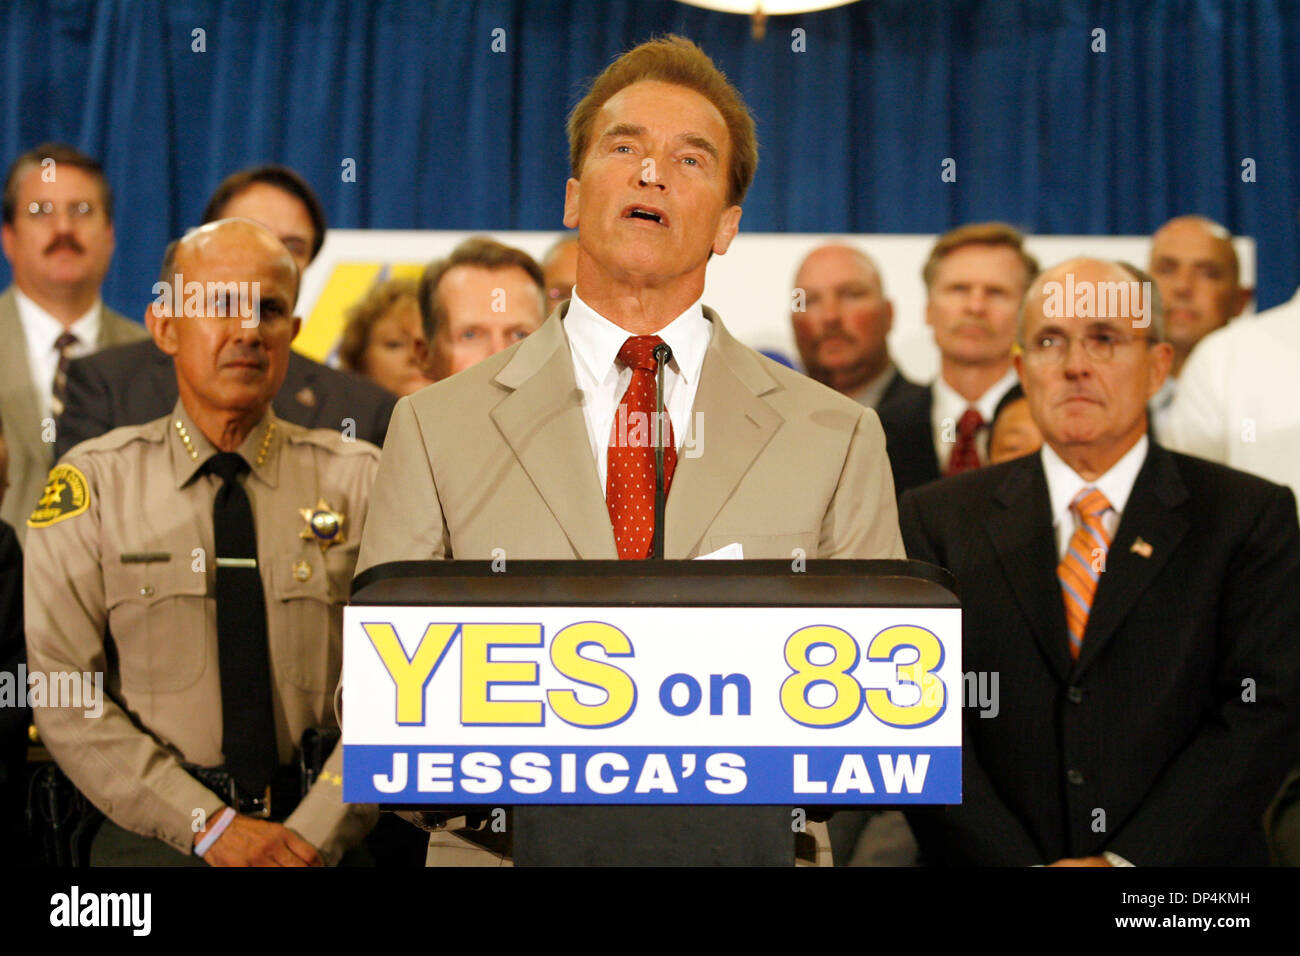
(594, 342)
(948, 406)
(1160, 405)
(1064, 485)
(1238, 399)
(41, 330)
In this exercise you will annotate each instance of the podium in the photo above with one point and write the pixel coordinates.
(654, 826)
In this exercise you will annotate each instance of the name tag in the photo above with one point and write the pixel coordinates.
(146, 557)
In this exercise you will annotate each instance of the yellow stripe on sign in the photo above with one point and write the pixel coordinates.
(346, 286)
(406, 270)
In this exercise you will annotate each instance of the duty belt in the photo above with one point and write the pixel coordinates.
(275, 803)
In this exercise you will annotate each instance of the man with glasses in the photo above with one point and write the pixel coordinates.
(58, 238)
(1138, 607)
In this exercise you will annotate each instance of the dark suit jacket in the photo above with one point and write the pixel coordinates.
(1282, 823)
(13, 720)
(1149, 726)
(901, 389)
(134, 384)
(905, 416)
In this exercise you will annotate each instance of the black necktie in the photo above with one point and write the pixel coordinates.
(247, 717)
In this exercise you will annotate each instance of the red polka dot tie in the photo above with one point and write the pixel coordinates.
(965, 455)
(630, 473)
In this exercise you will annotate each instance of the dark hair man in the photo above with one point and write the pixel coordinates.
(58, 238)
(133, 385)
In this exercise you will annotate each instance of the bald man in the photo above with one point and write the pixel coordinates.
(1138, 605)
(841, 322)
(198, 565)
(1196, 269)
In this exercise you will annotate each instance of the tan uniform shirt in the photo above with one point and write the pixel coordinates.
(119, 579)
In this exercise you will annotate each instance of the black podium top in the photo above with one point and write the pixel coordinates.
(771, 583)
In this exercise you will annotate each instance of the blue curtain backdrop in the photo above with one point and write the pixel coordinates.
(446, 133)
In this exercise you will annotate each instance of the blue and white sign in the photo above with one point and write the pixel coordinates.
(618, 705)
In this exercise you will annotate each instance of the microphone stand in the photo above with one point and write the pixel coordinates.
(663, 355)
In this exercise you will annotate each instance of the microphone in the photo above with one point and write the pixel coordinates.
(663, 355)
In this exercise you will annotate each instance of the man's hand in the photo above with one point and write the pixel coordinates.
(1075, 861)
(249, 841)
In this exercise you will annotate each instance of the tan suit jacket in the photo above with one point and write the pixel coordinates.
(498, 457)
(30, 455)
(126, 588)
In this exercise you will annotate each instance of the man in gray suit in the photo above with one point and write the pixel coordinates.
(530, 450)
(58, 238)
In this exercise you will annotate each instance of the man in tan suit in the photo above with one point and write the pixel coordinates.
(531, 451)
(199, 564)
(58, 238)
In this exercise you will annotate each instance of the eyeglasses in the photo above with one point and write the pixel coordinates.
(1052, 347)
(76, 210)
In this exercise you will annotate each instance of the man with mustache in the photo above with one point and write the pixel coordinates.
(1196, 267)
(200, 562)
(58, 238)
(1139, 607)
(841, 321)
(974, 279)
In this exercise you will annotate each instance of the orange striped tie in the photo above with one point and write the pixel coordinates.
(1084, 561)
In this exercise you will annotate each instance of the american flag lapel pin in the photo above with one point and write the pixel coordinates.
(1141, 547)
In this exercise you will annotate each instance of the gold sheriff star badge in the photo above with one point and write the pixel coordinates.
(324, 525)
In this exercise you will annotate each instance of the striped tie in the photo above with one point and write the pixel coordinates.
(1085, 559)
(59, 393)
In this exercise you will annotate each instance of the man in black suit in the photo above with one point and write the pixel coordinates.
(14, 713)
(1139, 607)
(841, 321)
(974, 279)
(136, 383)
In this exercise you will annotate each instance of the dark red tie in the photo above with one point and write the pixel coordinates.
(630, 472)
(965, 456)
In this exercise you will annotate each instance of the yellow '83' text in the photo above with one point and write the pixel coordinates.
(847, 696)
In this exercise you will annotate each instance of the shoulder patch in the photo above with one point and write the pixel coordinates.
(66, 495)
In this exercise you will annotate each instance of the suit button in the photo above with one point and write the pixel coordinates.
(1075, 695)
(1074, 776)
